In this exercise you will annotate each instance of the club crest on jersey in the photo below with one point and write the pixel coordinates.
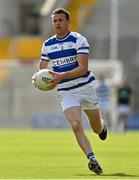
(61, 47)
(54, 47)
(70, 46)
(83, 44)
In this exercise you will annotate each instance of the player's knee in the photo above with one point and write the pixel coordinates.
(76, 125)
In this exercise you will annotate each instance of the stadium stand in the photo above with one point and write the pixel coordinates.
(5, 48)
(27, 48)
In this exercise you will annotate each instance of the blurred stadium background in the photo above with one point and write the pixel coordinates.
(112, 29)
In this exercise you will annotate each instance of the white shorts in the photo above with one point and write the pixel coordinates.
(105, 106)
(86, 99)
(124, 109)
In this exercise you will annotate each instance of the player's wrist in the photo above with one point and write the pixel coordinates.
(63, 75)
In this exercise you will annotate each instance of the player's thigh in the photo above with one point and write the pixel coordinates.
(94, 117)
(73, 115)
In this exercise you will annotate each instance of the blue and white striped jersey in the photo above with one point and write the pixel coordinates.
(63, 55)
(104, 92)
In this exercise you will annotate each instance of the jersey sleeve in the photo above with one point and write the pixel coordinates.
(44, 55)
(82, 45)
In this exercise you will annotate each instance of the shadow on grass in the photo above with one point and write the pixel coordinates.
(121, 175)
(114, 174)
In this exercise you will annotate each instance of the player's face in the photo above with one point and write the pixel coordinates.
(60, 25)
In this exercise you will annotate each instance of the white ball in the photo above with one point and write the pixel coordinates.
(42, 79)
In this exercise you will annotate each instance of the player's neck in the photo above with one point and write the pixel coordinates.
(62, 36)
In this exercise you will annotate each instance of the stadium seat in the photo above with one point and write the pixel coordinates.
(5, 48)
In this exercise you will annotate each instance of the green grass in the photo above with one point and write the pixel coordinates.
(46, 154)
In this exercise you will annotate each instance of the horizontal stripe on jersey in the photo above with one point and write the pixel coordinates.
(54, 40)
(45, 57)
(64, 53)
(82, 80)
(78, 85)
(70, 79)
(83, 48)
(82, 53)
(103, 91)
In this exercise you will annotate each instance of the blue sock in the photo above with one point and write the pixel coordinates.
(91, 156)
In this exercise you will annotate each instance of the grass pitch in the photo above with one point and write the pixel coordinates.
(47, 154)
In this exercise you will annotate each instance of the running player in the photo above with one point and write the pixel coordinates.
(68, 51)
(124, 103)
(104, 92)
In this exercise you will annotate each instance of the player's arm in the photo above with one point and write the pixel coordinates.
(44, 59)
(78, 71)
(43, 64)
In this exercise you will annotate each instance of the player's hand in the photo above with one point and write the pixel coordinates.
(57, 77)
(34, 79)
(51, 86)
